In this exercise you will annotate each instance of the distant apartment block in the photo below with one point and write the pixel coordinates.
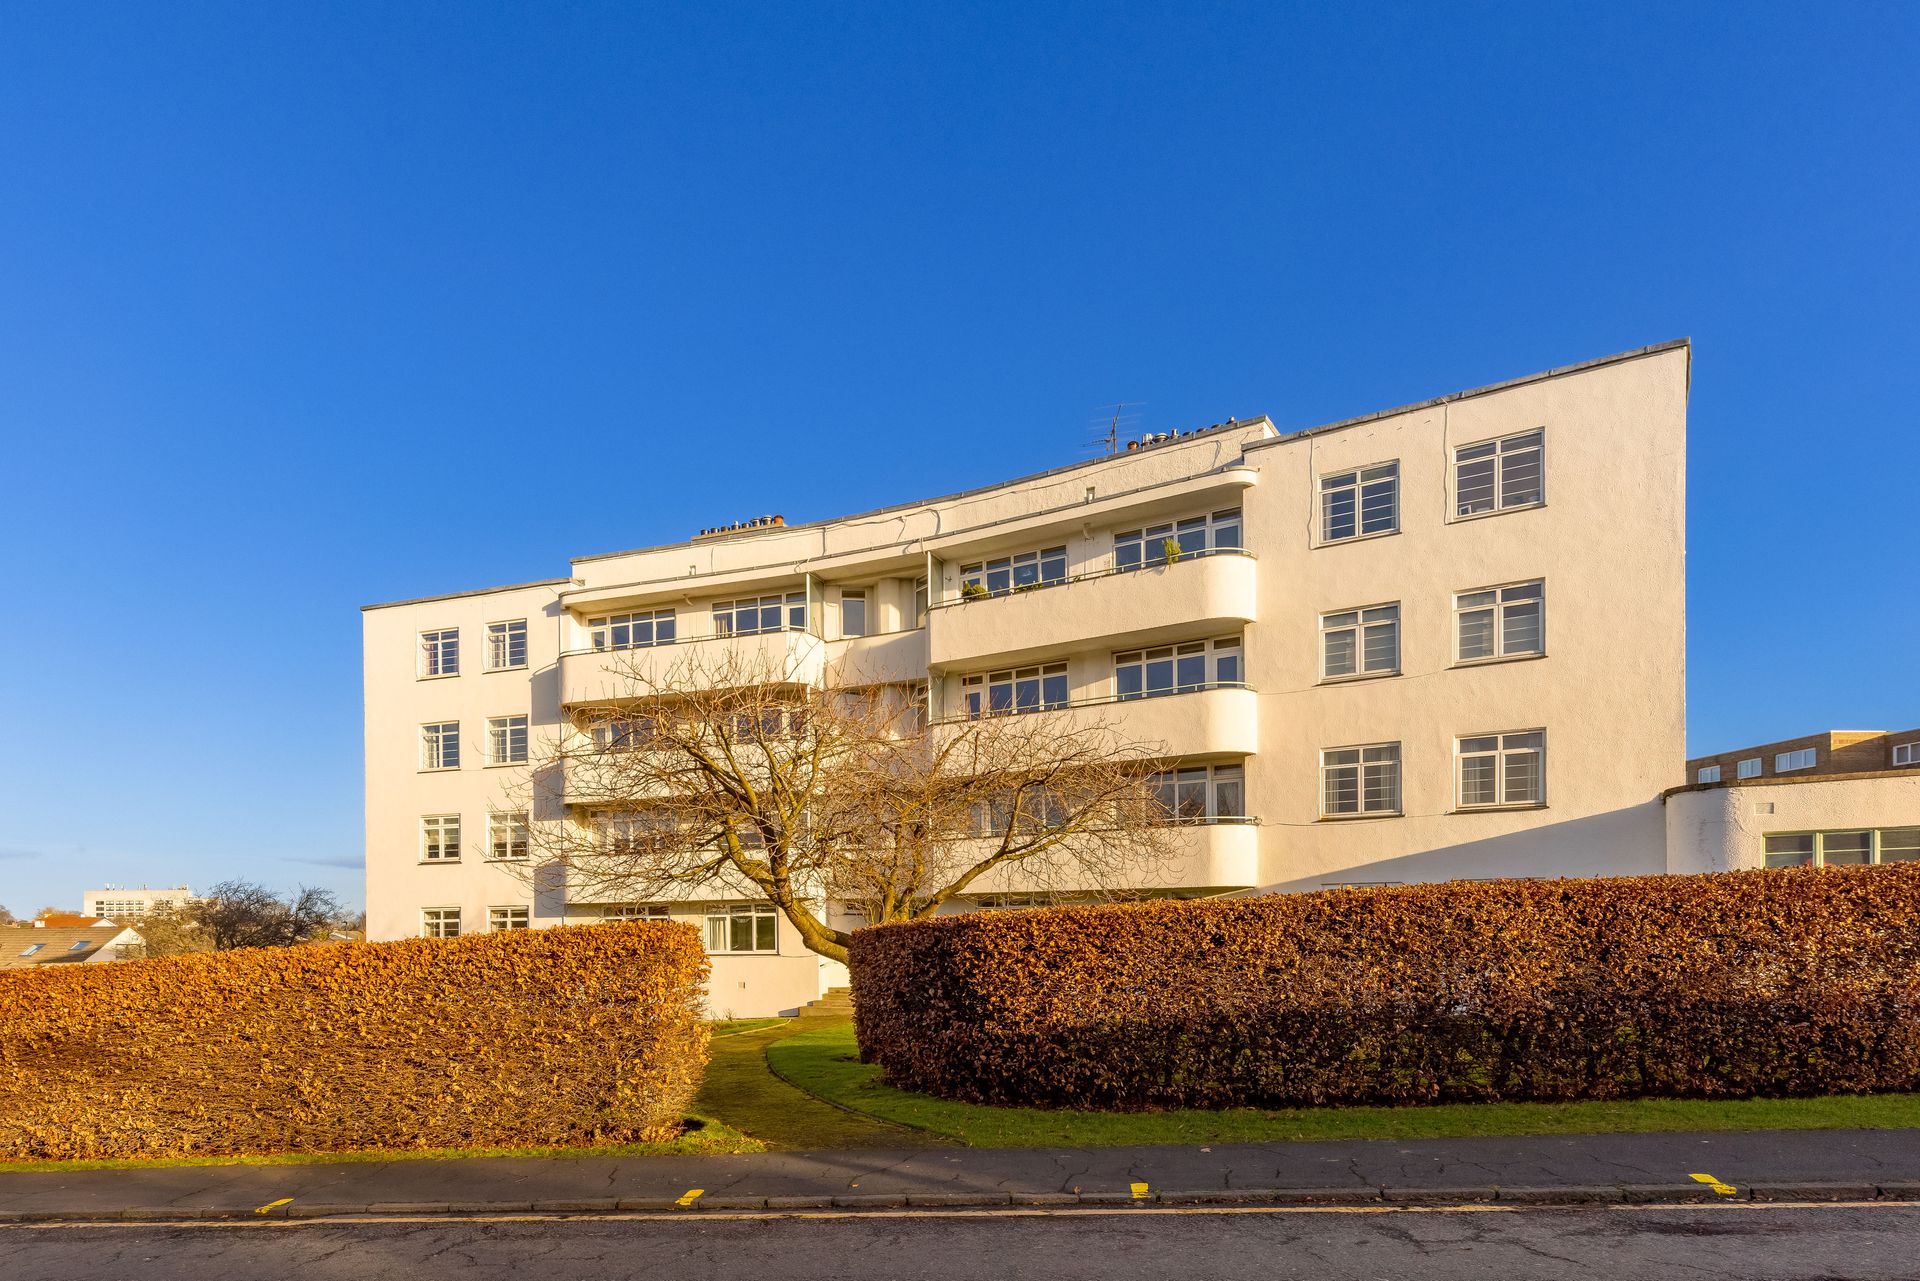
(1440, 641)
(129, 903)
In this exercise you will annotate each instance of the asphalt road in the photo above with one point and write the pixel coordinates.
(1749, 1242)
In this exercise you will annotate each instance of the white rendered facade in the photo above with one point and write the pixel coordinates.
(125, 902)
(1441, 641)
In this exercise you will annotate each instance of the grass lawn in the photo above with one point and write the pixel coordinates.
(733, 1027)
(746, 1097)
(824, 1063)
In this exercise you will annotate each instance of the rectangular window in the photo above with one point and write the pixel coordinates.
(440, 838)
(1019, 573)
(508, 835)
(1708, 774)
(1360, 780)
(1495, 475)
(440, 745)
(440, 922)
(1189, 536)
(1360, 642)
(853, 613)
(634, 912)
(506, 645)
(1749, 768)
(440, 653)
(920, 601)
(507, 740)
(507, 918)
(1201, 794)
(1503, 769)
(623, 733)
(634, 832)
(742, 927)
(1363, 501)
(1500, 622)
(633, 631)
(1906, 753)
(1784, 762)
(1900, 845)
(1026, 689)
(759, 614)
(1175, 669)
(1842, 849)
(1855, 848)
(1795, 850)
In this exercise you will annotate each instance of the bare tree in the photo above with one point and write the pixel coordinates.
(6, 917)
(242, 914)
(719, 776)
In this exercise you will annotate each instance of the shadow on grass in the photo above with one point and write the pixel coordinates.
(743, 1094)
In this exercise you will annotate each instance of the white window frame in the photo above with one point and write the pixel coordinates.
(1017, 572)
(922, 600)
(1371, 499)
(435, 922)
(1179, 669)
(439, 838)
(439, 653)
(1708, 774)
(1749, 768)
(502, 639)
(1906, 753)
(635, 629)
(1504, 458)
(1202, 793)
(622, 733)
(1363, 626)
(978, 692)
(1376, 778)
(1203, 535)
(723, 915)
(859, 596)
(634, 912)
(1509, 601)
(509, 836)
(1798, 759)
(1501, 754)
(436, 737)
(788, 608)
(507, 739)
(509, 916)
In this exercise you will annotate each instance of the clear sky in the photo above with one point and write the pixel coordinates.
(301, 306)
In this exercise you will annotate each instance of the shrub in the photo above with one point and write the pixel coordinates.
(1734, 984)
(557, 1036)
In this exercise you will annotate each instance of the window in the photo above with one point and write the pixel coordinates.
(440, 653)
(506, 740)
(1175, 669)
(508, 835)
(81, 946)
(1201, 794)
(634, 912)
(1708, 774)
(32, 948)
(1503, 769)
(440, 838)
(507, 918)
(1018, 573)
(1906, 753)
(633, 631)
(440, 745)
(1801, 759)
(853, 613)
(920, 599)
(623, 733)
(1364, 501)
(1841, 849)
(1360, 642)
(1026, 689)
(1192, 536)
(440, 922)
(1360, 780)
(630, 832)
(1900, 845)
(1749, 768)
(761, 614)
(506, 645)
(741, 927)
(1495, 475)
(1500, 622)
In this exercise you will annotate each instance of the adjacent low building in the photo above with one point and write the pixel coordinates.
(26, 947)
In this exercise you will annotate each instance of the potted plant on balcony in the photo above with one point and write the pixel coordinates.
(1170, 548)
(972, 591)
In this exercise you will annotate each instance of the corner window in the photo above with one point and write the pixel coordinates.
(1360, 502)
(1708, 774)
(1784, 762)
(1201, 794)
(1496, 475)
(1500, 622)
(507, 740)
(1025, 689)
(506, 645)
(1503, 769)
(1018, 573)
(853, 613)
(1175, 669)
(761, 614)
(633, 631)
(1170, 540)
(1749, 768)
(1360, 642)
(742, 927)
(440, 745)
(507, 918)
(440, 922)
(440, 838)
(440, 653)
(508, 836)
(1360, 780)
(1906, 753)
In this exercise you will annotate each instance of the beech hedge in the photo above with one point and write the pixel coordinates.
(555, 1036)
(1776, 983)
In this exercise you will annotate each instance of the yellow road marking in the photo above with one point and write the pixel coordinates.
(1139, 1191)
(693, 1194)
(285, 1200)
(1724, 1189)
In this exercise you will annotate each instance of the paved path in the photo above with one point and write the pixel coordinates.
(1750, 1242)
(1830, 1163)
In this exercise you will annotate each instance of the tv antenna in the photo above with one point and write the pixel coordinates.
(1125, 417)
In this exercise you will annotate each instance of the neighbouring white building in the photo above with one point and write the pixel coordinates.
(130, 903)
(1440, 641)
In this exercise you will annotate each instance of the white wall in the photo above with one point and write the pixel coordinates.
(1724, 829)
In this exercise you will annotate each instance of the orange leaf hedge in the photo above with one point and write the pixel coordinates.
(555, 1036)
(1776, 983)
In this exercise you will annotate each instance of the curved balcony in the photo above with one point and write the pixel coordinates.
(1211, 721)
(1122, 608)
(605, 676)
(1202, 858)
(893, 658)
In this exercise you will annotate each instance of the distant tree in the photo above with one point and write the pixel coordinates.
(47, 911)
(172, 930)
(243, 914)
(6, 917)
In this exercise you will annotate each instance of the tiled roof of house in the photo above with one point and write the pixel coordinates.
(22, 947)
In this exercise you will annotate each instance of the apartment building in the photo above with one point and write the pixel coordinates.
(131, 902)
(1440, 641)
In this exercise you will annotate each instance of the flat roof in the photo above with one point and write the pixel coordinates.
(477, 591)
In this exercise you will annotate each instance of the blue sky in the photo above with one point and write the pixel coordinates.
(302, 303)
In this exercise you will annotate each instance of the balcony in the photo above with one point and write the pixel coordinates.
(603, 676)
(894, 658)
(1187, 598)
(1211, 721)
(1202, 858)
